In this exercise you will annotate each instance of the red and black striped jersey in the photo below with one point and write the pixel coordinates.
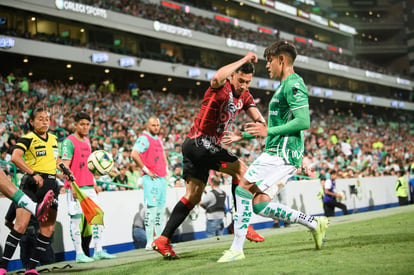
(218, 110)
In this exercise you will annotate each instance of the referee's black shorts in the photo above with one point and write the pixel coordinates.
(200, 155)
(32, 190)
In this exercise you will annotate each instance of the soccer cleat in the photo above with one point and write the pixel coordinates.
(3, 271)
(163, 246)
(31, 272)
(253, 236)
(82, 258)
(42, 209)
(319, 233)
(99, 255)
(231, 256)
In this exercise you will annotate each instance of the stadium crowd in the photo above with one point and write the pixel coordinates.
(143, 9)
(353, 144)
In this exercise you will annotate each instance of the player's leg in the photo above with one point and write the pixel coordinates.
(43, 241)
(46, 227)
(263, 205)
(159, 220)
(97, 231)
(342, 207)
(251, 234)
(160, 206)
(22, 200)
(241, 219)
(13, 239)
(149, 221)
(76, 216)
(194, 191)
(197, 160)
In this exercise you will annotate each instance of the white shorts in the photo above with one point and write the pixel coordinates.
(269, 170)
(74, 207)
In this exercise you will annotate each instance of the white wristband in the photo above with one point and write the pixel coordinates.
(145, 169)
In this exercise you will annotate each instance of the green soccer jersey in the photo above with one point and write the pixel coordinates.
(288, 116)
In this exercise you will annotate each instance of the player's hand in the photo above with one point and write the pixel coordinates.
(70, 177)
(38, 180)
(152, 175)
(74, 194)
(251, 57)
(257, 129)
(97, 188)
(231, 137)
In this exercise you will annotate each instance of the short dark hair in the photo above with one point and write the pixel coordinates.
(82, 115)
(247, 68)
(281, 46)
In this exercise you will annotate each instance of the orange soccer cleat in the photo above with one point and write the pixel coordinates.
(253, 236)
(163, 246)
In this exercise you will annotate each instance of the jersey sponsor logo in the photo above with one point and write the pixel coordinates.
(273, 113)
(295, 154)
(41, 153)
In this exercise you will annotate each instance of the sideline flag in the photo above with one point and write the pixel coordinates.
(93, 213)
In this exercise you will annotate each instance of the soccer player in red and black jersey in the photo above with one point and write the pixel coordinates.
(227, 95)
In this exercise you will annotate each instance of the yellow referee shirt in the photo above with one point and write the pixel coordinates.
(40, 154)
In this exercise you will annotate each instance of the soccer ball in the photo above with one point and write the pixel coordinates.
(100, 163)
(343, 196)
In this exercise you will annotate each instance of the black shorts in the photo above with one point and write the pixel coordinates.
(31, 189)
(200, 155)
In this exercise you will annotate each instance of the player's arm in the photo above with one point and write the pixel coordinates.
(257, 117)
(141, 145)
(17, 159)
(327, 186)
(66, 156)
(224, 72)
(300, 121)
(297, 98)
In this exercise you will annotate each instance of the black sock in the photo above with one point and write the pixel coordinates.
(11, 244)
(42, 243)
(178, 215)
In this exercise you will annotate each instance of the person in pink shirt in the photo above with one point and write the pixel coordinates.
(76, 149)
(148, 153)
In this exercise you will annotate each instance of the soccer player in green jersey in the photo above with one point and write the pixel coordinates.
(288, 117)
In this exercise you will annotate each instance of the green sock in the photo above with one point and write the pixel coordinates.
(22, 200)
(242, 217)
